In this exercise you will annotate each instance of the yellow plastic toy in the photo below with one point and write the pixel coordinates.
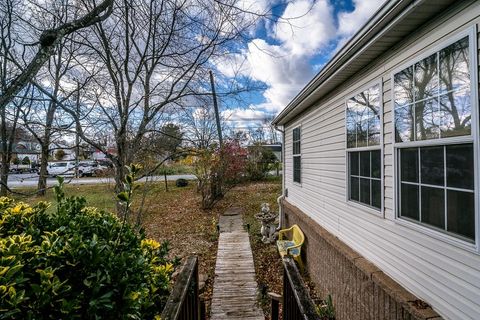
(291, 246)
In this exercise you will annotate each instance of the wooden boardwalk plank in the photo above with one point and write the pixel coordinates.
(234, 289)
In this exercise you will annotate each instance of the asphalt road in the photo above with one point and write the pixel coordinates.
(31, 179)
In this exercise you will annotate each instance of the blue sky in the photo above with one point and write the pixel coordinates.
(283, 54)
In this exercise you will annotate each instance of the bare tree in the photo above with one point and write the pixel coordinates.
(47, 42)
(43, 117)
(200, 126)
(9, 114)
(151, 55)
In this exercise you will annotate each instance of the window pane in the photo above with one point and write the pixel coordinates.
(354, 189)
(374, 100)
(362, 133)
(432, 164)
(296, 168)
(376, 164)
(296, 134)
(358, 104)
(427, 119)
(460, 173)
(454, 66)
(365, 163)
(426, 78)
(351, 128)
(403, 87)
(374, 131)
(456, 110)
(376, 194)
(365, 191)
(296, 148)
(460, 213)
(433, 206)
(354, 163)
(404, 124)
(409, 164)
(409, 201)
(363, 118)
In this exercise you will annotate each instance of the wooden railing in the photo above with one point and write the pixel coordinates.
(184, 303)
(297, 304)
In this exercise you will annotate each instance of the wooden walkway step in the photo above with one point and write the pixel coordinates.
(234, 289)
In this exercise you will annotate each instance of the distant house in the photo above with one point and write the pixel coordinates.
(382, 169)
(66, 149)
(276, 148)
(100, 155)
(23, 149)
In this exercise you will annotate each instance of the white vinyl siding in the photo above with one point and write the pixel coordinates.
(440, 272)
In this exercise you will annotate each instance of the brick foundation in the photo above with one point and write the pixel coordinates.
(359, 289)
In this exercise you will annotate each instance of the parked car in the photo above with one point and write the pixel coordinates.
(61, 168)
(21, 168)
(90, 168)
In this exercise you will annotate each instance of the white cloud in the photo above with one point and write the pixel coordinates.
(243, 114)
(232, 65)
(285, 73)
(306, 26)
(305, 29)
(351, 22)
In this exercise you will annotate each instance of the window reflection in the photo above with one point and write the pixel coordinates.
(403, 87)
(404, 124)
(432, 97)
(454, 66)
(363, 119)
(456, 113)
(427, 119)
(426, 78)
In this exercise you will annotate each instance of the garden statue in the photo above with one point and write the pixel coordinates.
(268, 223)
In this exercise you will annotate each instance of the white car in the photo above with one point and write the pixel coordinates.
(61, 168)
(89, 168)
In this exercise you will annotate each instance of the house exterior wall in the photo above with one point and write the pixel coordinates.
(439, 272)
(360, 290)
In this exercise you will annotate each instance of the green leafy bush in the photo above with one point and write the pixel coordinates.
(260, 161)
(77, 262)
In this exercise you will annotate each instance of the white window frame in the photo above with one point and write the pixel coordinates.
(297, 155)
(471, 32)
(357, 204)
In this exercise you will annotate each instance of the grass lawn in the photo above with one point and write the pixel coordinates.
(175, 216)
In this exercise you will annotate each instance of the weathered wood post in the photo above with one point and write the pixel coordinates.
(297, 304)
(275, 305)
(183, 303)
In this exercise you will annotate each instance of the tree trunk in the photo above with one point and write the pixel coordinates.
(120, 172)
(4, 174)
(165, 177)
(43, 173)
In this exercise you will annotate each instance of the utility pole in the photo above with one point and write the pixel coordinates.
(215, 106)
(77, 137)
